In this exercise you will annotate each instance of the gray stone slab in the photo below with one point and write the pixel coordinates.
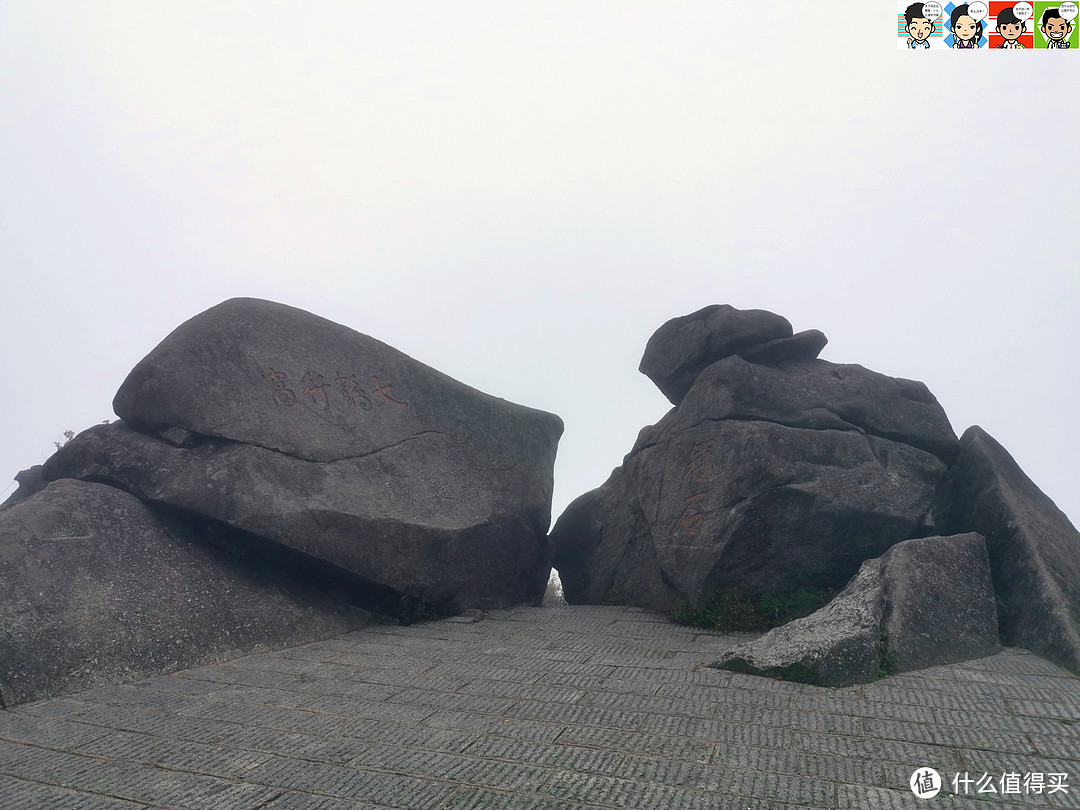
(46, 731)
(19, 794)
(334, 750)
(309, 801)
(532, 691)
(371, 709)
(468, 797)
(455, 701)
(634, 742)
(578, 715)
(213, 760)
(394, 790)
(488, 724)
(297, 732)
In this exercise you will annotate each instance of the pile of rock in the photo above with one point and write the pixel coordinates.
(272, 471)
(333, 470)
(778, 473)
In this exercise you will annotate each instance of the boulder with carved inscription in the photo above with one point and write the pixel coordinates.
(99, 588)
(319, 438)
(765, 480)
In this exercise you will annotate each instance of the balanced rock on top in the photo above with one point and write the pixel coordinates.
(765, 479)
(683, 347)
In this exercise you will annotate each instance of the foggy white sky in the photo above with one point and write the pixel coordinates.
(520, 194)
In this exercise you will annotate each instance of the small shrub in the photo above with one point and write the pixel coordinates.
(886, 661)
(732, 612)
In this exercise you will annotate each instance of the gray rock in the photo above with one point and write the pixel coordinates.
(680, 349)
(762, 480)
(1034, 549)
(838, 645)
(278, 377)
(99, 589)
(457, 538)
(746, 507)
(327, 441)
(925, 602)
(30, 482)
(802, 346)
(820, 395)
(939, 602)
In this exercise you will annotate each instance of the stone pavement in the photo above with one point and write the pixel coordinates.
(541, 708)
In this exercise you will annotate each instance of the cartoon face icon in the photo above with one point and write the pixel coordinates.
(964, 28)
(1011, 31)
(920, 28)
(1056, 28)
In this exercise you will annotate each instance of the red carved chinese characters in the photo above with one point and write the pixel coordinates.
(700, 469)
(701, 461)
(315, 388)
(691, 518)
(318, 391)
(354, 394)
(282, 395)
(380, 391)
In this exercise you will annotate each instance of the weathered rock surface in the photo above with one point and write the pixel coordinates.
(838, 645)
(749, 507)
(802, 346)
(820, 395)
(925, 602)
(278, 377)
(680, 349)
(330, 442)
(1034, 549)
(98, 588)
(452, 544)
(763, 480)
(30, 482)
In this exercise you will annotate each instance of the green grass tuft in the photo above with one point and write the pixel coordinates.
(732, 612)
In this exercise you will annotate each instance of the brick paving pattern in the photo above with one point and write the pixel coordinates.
(556, 708)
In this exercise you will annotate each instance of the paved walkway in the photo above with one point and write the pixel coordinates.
(541, 708)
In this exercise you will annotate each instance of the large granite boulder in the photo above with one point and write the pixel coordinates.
(311, 435)
(680, 349)
(1034, 549)
(925, 602)
(99, 588)
(763, 480)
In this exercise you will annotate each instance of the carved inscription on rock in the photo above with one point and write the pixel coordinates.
(699, 471)
(342, 393)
